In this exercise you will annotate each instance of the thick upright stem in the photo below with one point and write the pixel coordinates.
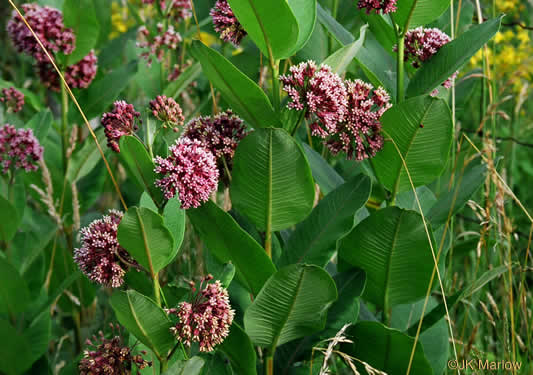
(157, 292)
(274, 67)
(269, 362)
(400, 90)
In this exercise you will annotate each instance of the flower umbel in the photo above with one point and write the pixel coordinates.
(165, 40)
(79, 75)
(19, 149)
(359, 135)
(383, 6)
(47, 23)
(168, 111)
(13, 99)
(318, 92)
(119, 122)
(190, 170)
(226, 24)
(100, 256)
(206, 319)
(110, 356)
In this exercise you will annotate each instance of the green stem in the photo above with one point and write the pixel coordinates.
(163, 366)
(64, 124)
(400, 90)
(157, 292)
(269, 362)
(274, 67)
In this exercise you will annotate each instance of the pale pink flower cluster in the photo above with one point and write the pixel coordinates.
(100, 256)
(79, 75)
(121, 121)
(226, 24)
(383, 6)
(168, 111)
(206, 319)
(19, 149)
(190, 171)
(157, 45)
(13, 99)
(47, 23)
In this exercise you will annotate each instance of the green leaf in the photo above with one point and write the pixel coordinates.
(227, 241)
(341, 59)
(240, 351)
(144, 235)
(38, 333)
(315, 239)
(271, 25)
(29, 96)
(80, 15)
(15, 352)
(292, 304)
(407, 200)
(86, 158)
(382, 29)
(9, 220)
(385, 349)
(149, 78)
(186, 77)
(272, 183)
(40, 123)
(174, 218)
(342, 35)
(451, 57)
(305, 13)
(14, 293)
(324, 174)
(425, 11)
(241, 93)
(391, 245)
(425, 149)
(143, 318)
(141, 166)
(192, 366)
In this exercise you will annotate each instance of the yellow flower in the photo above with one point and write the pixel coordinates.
(119, 20)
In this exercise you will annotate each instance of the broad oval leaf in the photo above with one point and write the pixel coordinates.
(271, 25)
(15, 350)
(324, 174)
(143, 318)
(385, 349)
(240, 351)
(315, 239)
(425, 11)
(80, 15)
(227, 241)
(144, 235)
(422, 129)
(451, 57)
(174, 218)
(305, 14)
(341, 59)
(272, 183)
(192, 366)
(9, 220)
(292, 304)
(86, 158)
(14, 292)
(392, 247)
(244, 96)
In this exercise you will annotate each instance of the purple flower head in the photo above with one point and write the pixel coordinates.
(19, 149)
(206, 319)
(79, 75)
(165, 40)
(383, 6)
(47, 23)
(168, 111)
(318, 92)
(359, 135)
(13, 99)
(110, 356)
(100, 256)
(190, 170)
(421, 44)
(119, 122)
(226, 24)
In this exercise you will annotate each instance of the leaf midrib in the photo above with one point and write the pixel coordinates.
(389, 261)
(145, 241)
(141, 328)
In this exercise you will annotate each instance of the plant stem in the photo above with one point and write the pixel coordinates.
(269, 362)
(163, 366)
(400, 93)
(64, 122)
(274, 67)
(157, 293)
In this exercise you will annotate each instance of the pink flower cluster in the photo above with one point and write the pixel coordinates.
(110, 356)
(79, 75)
(48, 25)
(206, 319)
(119, 122)
(383, 6)
(13, 99)
(165, 40)
(168, 111)
(189, 171)
(100, 256)
(345, 114)
(19, 149)
(421, 44)
(226, 24)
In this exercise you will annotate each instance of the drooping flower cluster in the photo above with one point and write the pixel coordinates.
(226, 24)
(13, 99)
(421, 44)
(168, 111)
(206, 319)
(318, 91)
(359, 135)
(47, 23)
(119, 122)
(165, 40)
(79, 75)
(19, 149)
(190, 171)
(100, 256)
(345, 114)
(110, 356)
(383, 6)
